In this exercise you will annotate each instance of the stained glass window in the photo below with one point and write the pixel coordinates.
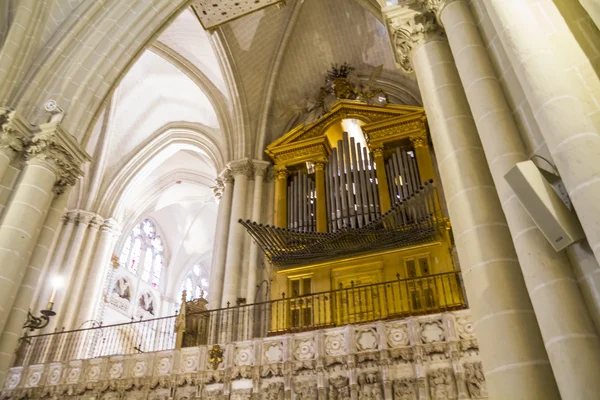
(144, 247)
(135, 255)
(195, 284)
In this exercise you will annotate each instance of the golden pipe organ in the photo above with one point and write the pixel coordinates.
(356, 207)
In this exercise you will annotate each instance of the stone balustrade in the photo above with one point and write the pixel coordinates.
(427, 357)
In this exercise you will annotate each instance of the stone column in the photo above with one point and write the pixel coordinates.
(217, 271)
(593, 9)
(241, 170)
(76, 294)
(382, 183)
(54, 161)
(280, 217)
(14, 136)
(68, 220)
(511, 345)
(96, 279)
(552, 286)
(260, 168)
(321, 197)
(66, 268)
(572, 139)
(9, 341)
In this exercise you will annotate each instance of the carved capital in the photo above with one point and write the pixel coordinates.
(419, 141)
(241, 167)
(270, 175)
(319, 166)
(84, 217)
(58, 151)
(15, 133)
(260, 167)
(411, 26)
(281, 173)
(111, 226)
(377, 152)
(226, 177)
(436, 7)
(218, 188)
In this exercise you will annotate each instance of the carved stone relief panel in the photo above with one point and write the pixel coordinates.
(367, 339)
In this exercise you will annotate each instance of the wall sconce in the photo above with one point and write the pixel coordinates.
(42, 321)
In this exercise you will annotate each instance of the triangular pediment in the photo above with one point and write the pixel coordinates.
(346, 109)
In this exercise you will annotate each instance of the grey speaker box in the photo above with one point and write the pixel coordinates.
(547, 209)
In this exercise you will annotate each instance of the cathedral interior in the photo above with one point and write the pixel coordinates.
(299, 199)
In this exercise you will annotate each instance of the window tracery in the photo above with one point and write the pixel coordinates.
(195, 284)
(143, 253)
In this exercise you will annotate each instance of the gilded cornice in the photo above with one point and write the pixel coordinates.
(58, 151)
(411, 25)
(15, 133)
(309, 143)
(395, 129)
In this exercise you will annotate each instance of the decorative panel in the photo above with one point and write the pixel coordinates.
(213, 13)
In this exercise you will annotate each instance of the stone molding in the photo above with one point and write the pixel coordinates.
(425, 357)
(60, 152)
(15, 134)
(411, 26)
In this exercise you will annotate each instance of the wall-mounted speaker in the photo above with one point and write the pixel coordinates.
(558, 224)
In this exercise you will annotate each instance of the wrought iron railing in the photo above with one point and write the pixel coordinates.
(351, 305)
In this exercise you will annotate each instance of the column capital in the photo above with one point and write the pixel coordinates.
(436, 7)
(59, 151)
(84, 217)
(218, 188)
(110, 225)
(271, 174)
(241, 167)
(260, 167)
(410, 26)
(419, 140)
(15, 133)
(281, 172)
(377, 151)
(319, 166)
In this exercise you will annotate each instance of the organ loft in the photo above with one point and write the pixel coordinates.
(357, 212)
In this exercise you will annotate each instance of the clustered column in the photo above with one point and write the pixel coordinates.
(9, 340)
(241, 170)
(572, 139)
(90, 297)
(260, 169)
(512, 348)
(548, 275)
(221, 237)
(54, 160)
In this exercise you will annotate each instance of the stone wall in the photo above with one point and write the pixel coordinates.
(428, 357)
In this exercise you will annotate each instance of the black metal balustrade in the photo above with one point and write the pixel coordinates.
(352, 305)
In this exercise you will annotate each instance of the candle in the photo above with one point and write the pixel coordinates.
(52, 296)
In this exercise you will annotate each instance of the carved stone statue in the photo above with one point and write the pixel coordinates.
(404, 389)
(370, 387)
(305, 390)
(274, 391)
(339, 388)
(441, 384)
(475, 380)
(122, 288)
